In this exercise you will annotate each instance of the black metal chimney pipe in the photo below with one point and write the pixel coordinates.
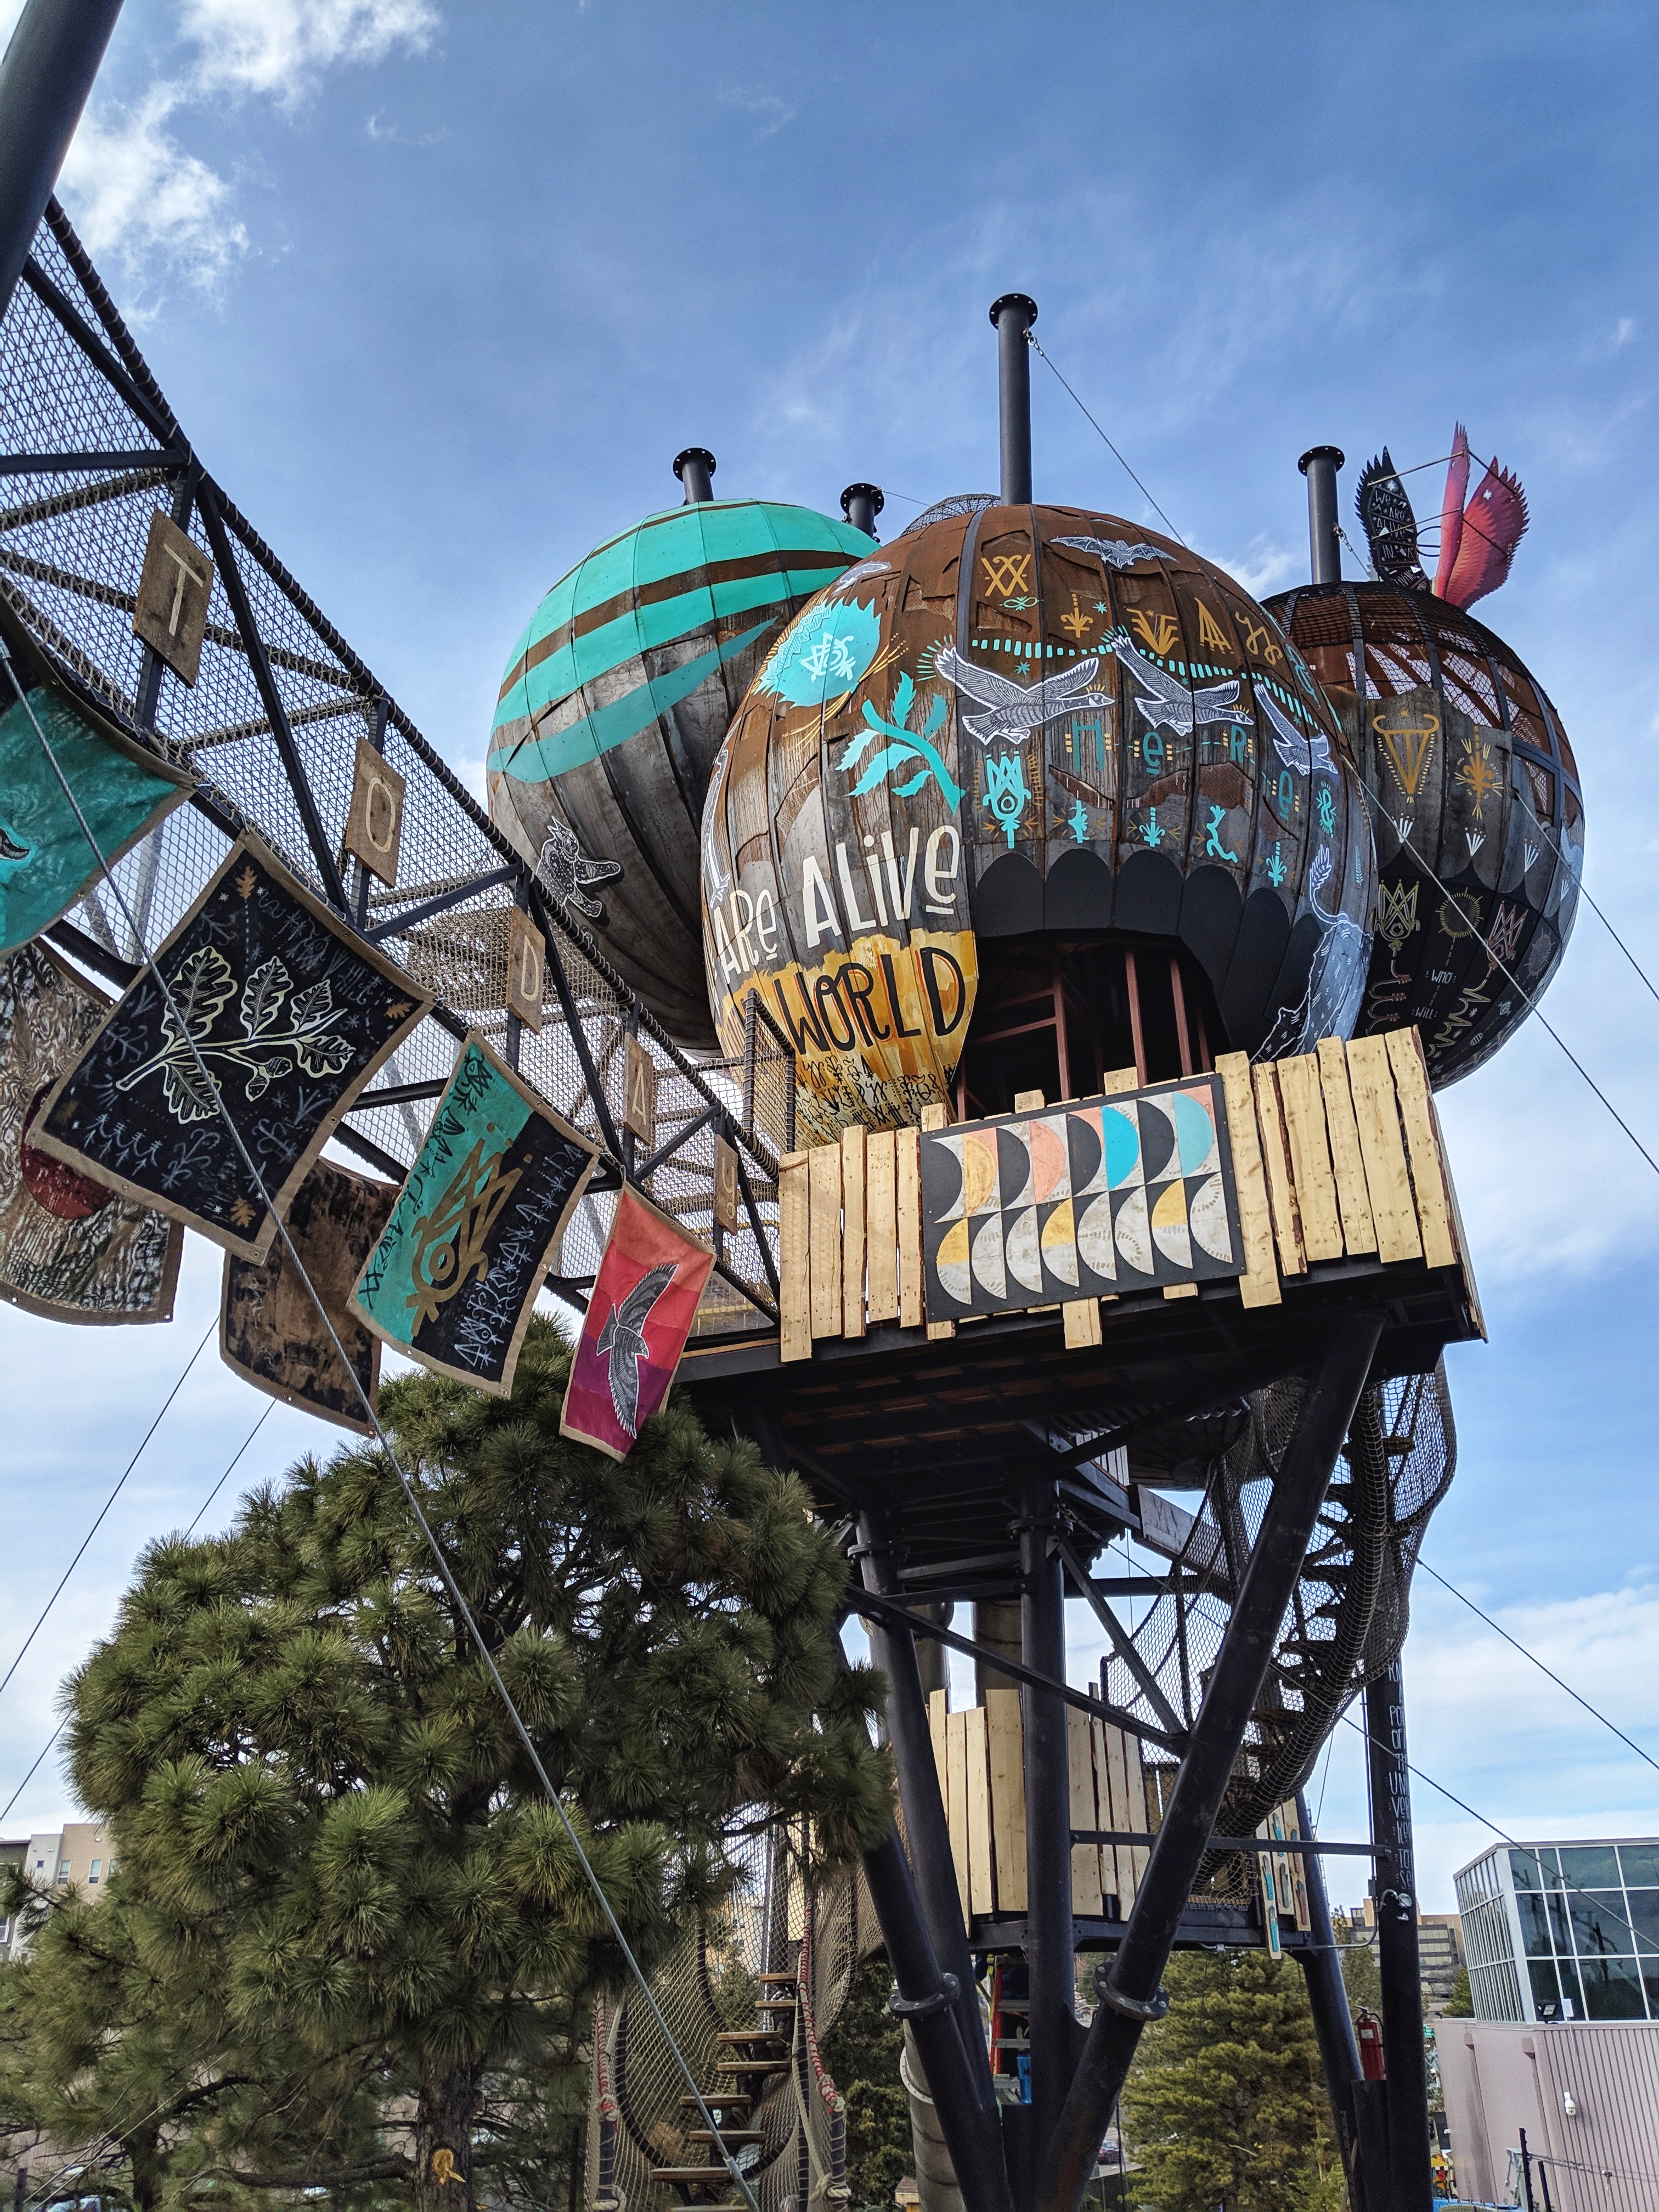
(1013, 314)
(695, 468)
(861, 503)
(1397, 1961)
(1320, 465)
(44, 77)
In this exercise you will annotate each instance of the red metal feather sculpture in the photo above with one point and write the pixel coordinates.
(1477, 542)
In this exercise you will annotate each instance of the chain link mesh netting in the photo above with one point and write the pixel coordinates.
(808, 1933)
(72, 539)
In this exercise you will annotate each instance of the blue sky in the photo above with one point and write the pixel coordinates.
(439, 292)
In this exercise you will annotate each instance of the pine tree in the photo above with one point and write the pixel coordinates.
(350, 1944)
(1361, 1976)
(861, 2053)
(1460, 2002)
(1225, 2102)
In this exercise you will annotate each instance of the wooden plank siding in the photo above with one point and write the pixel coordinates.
(1335, 1153)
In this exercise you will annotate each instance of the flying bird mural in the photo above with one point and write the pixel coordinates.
(1010, 709)
(623, 1339)
(1165, 700)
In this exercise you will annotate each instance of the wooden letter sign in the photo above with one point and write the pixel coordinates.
(173, 591)
(526, 962)
(375, 827)
(639, 1095)
(726, 1184)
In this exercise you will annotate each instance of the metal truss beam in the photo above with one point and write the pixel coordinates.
(412, 915)
(1129, 1993)
(895, 1612)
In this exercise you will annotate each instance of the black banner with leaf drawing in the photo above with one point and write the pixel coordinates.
(282, 1018)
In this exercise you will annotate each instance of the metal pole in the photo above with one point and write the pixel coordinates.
(1320, 465)
(1397, 1962)
(44, 77)
(925, 1997)
(861, 503)
(1050, 1953)
(1129, 1992)
(925, 1828)
(1012, 315)
(695, 468)
(1328, 1999)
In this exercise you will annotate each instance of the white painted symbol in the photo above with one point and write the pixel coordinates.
(187, 576)
(1477, 838)
(1530, 851)
(1403, 824)
(831, 656)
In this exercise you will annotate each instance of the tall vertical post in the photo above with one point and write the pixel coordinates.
(44, 77)
(1320, 465)
(1397, 1962)
(695, 468)
(1328, 1999)
(1049, 1953)
(1012, 315)
(1129, 1991)
(926, 1828)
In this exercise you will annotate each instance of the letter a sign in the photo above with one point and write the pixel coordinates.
(639, 1095)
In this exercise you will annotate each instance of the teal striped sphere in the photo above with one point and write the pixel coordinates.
(616, 701)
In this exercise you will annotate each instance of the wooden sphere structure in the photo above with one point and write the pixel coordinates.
(1477, 810)
(615, 701)
(1030, 795)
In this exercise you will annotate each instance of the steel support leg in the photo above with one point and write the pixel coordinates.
(1050, 1953)
(926, 2002)
(1397, 1962)
(1129, 1994)
(1327, 1998)
(925, 1824)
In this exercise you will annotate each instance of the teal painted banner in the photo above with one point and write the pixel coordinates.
(45, 862)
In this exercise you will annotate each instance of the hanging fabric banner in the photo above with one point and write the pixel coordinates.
(288, 1015)
(69, 1248)
(638, 1319)
(45, 862)
(270, 1332)
(476, 1225)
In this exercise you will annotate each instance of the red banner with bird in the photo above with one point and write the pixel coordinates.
(639, 1316)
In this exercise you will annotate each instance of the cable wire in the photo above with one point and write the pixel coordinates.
(446, 1572)
(1531, 1000)
(1032, 341)
(115, 1493)
(1515, 1643)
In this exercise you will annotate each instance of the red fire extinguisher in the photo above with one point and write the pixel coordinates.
(1372, 2063)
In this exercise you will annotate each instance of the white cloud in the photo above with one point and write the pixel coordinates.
(1265, 565)
(136, 193)
(1624, 333)
(771, 112)
(278, 49)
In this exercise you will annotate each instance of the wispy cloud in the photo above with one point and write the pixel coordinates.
(771, 113)
(138, 195)
(141, 197)
(388, 134)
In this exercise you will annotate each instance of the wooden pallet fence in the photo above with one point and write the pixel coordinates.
(1336, 1154)
(979, 1755)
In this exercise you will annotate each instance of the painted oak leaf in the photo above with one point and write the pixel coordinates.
(201, 989)
(262, 998)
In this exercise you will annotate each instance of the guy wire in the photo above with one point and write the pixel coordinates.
(1515, 1643)
(127, 1470)
(191, 1531)
(1502, 1835)
(444, 1570)
(1530, 998)
(1032, 341)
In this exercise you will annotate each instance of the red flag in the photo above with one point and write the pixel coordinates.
(638, 1319)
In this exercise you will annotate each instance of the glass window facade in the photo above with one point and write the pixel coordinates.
(1585, 1918)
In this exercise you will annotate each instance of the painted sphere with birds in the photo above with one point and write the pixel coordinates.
(1477, 809)
(612, 708)
(1027, 797)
